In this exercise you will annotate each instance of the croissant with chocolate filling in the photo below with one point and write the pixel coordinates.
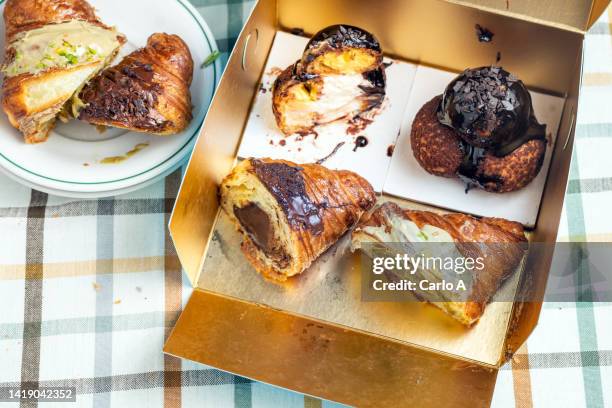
(499, 243)
(290, 214)
(148, 91)
(340, 75)
(53, 47)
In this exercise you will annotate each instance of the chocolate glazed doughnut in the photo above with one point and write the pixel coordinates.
(482, 130)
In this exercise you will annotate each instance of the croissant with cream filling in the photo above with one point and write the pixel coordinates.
(498, 242)
(53, 47)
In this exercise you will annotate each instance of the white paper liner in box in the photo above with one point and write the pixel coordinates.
(262, 138)
(407, 179)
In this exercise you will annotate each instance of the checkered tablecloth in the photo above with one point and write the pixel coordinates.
(90, 289)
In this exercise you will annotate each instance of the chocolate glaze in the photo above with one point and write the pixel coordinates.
(469, 169)
(491, 109)
(492, 113)
(377, 79)
(126, 94)
(286, 183)
(342, 35)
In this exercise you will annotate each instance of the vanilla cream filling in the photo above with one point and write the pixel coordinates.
(398, 232)
(339, 96)
(403, 230)
(58, 87)
(61, 45)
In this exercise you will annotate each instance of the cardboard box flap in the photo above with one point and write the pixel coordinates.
(441, 34)
(599, 6)
(567, 14)
(214, 155)
(334, 362)
(526, 314)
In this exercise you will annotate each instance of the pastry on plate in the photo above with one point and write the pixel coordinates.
(290, 214)
(148, 91)
(340, 76)
(500, 244)
(53, 47)
(482, 130)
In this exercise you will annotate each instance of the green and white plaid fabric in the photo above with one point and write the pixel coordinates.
(90, 289)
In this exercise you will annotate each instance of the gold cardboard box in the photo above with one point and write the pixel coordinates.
(314, 335)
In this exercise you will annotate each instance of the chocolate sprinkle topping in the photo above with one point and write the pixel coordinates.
(492, 113)
(341, 36)
(286, 184)
(490, 108)
(124, 94)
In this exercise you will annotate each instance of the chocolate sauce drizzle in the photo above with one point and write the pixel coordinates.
(286, 183)
(469, 172)
(377, 79)
(333, 152)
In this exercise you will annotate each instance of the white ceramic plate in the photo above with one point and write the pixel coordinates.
(70, 163)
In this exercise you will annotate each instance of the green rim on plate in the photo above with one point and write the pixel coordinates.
(189, 9)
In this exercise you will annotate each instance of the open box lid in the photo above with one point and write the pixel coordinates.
(578, 15)
(191, 240)
(196, 209)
